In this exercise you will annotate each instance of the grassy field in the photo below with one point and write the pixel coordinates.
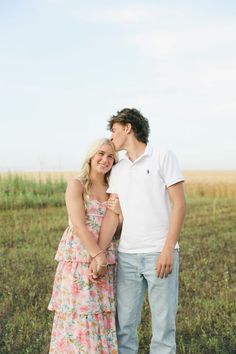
(33, 217)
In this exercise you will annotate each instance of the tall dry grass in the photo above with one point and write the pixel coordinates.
(39, 176)
(211, 183)
(202, 183)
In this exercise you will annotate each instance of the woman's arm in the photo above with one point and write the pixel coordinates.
(76, 212)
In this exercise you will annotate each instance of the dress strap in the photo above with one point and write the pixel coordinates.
(78, 178)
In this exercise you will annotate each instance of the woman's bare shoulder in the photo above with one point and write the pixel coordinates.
(74, 185)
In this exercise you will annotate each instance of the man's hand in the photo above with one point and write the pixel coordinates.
(113, 204)
(97, 268)
(164, 263)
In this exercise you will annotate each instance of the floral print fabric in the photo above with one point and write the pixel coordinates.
(84, 320)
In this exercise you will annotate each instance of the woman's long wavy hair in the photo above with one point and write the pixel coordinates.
(84, 174)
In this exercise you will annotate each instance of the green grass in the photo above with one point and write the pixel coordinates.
(29, 235)
(17, 192)
(206, 319)
(28, 243)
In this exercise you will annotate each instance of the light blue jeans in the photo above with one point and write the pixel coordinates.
(135, 274)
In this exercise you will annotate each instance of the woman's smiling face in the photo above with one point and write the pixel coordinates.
(103, 160)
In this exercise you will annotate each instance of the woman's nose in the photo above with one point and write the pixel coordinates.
(104, 158)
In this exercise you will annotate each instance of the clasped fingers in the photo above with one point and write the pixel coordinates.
(96, 271)
(92, 271)
(101, 269)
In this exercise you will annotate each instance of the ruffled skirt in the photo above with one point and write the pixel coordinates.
(84, 334)
(84, 320)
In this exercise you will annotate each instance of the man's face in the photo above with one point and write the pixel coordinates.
(118, 136)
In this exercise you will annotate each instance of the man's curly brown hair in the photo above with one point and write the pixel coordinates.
(139, 123)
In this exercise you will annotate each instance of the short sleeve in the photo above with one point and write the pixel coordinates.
(170, 170)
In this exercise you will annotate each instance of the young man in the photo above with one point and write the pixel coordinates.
(149, 185)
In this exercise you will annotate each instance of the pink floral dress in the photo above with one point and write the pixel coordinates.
(84, 321)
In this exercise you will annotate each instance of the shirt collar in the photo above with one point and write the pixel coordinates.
(147, 152)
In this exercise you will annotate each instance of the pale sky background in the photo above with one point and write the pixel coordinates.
(66, 66)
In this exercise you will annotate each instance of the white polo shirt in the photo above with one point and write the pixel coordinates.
(142, 189)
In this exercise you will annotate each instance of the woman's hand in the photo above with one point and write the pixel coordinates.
(113, 204)
(92, 271)
(101, 261)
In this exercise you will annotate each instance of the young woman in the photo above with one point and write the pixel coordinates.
(83, 302)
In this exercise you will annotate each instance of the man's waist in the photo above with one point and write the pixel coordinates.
(142, 243)
(143, 249)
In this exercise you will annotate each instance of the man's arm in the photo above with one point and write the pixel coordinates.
(165, 261)
(108, 228)
(113, 204)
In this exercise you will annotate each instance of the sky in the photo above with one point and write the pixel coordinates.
(66, 66)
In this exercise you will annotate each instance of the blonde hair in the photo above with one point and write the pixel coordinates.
(84, 174)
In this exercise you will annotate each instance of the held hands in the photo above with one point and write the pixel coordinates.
(113, 204)
(97, 267)
(164, 263)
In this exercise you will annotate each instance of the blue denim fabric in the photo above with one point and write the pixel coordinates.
(135, 274)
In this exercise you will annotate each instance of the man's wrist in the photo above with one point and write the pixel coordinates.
(101, 259)
(169, 246)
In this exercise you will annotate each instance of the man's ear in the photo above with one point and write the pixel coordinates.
(128, 128)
